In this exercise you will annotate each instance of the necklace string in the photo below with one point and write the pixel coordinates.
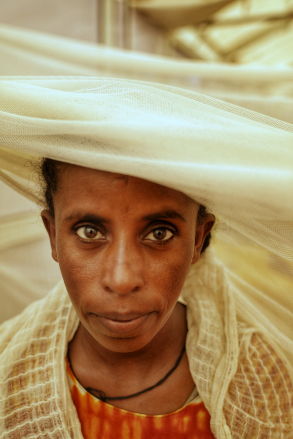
(103, 397)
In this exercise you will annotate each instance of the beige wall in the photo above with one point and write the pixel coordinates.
(80, 19)
(70, 18)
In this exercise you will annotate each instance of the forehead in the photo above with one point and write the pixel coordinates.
(83, 184)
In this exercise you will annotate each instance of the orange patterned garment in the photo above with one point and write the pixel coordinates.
(101, 420)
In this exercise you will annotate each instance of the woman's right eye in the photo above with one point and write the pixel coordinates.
(89, 233)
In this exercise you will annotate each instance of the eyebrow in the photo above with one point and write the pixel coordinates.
(164, 214)
(88, 217)
(97, 219)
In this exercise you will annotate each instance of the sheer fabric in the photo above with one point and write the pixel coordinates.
(236, 162)
(267, 90)
(262, 88)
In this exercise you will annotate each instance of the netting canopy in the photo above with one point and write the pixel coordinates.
(236, 162)
(265, 89)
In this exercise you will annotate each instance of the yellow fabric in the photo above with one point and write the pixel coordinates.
(256, 31)
(103, 420)
(243, 383)
(27, 271)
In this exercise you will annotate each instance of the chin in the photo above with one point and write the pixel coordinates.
(125, 345)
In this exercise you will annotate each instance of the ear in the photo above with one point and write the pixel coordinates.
(49, 223)
(203, 227)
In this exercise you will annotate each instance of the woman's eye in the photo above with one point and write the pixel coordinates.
(160, 234)
(89, 233)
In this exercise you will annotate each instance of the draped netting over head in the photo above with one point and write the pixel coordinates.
(236, 162)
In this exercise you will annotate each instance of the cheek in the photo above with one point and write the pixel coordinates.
(79, 269)
(170, 273)
(176, 276)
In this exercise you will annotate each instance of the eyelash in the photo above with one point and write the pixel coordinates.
(165, 227)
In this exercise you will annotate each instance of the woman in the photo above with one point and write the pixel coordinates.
(131, 245)
(128, 247)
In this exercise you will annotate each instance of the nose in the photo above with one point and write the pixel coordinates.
(123, 265)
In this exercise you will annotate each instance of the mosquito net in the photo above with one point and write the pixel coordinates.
(236, 162)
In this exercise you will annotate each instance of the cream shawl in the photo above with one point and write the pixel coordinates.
(243, 383)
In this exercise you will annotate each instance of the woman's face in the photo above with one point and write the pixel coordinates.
(124, 246)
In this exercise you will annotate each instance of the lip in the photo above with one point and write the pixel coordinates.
(121, 317)
(122, 323)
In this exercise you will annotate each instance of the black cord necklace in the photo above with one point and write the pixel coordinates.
(103, 397)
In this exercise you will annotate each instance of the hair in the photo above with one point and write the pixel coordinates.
(50, 169)
(202, 213)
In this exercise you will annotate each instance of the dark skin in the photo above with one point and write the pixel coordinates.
(124, 247)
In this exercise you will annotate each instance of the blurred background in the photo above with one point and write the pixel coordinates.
(234, 31)
(236, 50)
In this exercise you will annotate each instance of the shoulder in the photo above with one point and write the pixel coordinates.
(259, 398)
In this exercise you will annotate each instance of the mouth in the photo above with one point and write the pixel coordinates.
(122, 317)
(125, 323)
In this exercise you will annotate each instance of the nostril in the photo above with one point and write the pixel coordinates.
(121, 290)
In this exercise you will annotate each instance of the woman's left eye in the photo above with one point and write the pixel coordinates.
(89, 233)
(160, 234)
